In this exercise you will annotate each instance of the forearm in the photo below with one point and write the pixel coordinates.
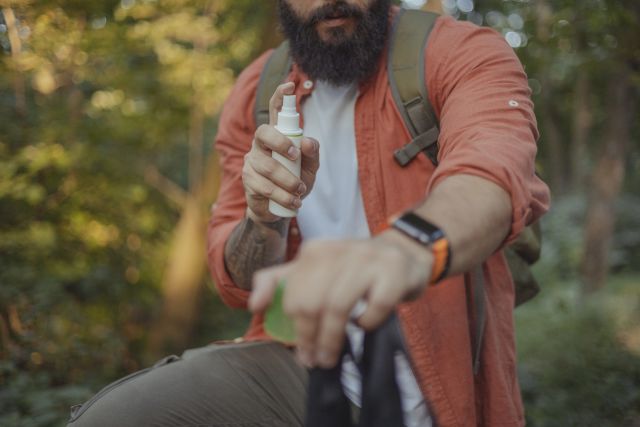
(475, 215)
(252, 246)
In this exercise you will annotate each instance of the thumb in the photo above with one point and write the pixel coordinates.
(310, 149)
(265, 283)
(275, 103)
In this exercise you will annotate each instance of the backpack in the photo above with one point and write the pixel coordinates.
(406, 71)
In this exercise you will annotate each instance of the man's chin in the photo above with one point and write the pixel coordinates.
(342, 49)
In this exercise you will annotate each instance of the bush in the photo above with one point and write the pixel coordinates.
(575, 369)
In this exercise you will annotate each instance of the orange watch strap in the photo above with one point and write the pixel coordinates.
(440, 247)
(441, 251)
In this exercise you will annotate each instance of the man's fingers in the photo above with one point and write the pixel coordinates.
(331, 336)
(275, 103)
(306, 328)
(264, 286)
(268, 138)
(304, 300)
(259, 187)
(347, 290)
(381, 301)
(278, 174)
(310, 148)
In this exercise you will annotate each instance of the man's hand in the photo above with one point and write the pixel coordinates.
(260, 239)
(264, 178)
(328, 278)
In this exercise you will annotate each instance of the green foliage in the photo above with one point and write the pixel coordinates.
(625, 255)
(578, 361)
(97, 95)
(276, 322)
(29, 393)
(558, 41)
(563, 240)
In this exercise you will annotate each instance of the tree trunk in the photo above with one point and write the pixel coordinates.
(606, 182)
(5, 338)
(16, 48)
(551, 132)
(580, 131)
(181, 284)
(183, 280)
(551, 139)
(196, 126)
(581, 122)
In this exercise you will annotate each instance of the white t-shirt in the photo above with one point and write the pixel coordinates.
(334, 210)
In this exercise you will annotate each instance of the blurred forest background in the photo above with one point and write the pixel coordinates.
(108, 111)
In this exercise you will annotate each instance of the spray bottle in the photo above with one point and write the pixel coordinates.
(289, 125)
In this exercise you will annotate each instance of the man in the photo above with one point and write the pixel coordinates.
(481, 195)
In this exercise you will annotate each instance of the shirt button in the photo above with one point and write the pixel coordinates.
(307, 84)
(294, 231)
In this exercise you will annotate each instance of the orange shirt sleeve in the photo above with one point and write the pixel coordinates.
(233, 141)
(480, 93)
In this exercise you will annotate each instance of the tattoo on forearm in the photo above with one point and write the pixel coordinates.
(280, 226)
(252, 247)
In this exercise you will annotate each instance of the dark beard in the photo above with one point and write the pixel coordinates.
(345, 58)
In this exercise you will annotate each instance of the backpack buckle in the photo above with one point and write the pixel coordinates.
(426, 141)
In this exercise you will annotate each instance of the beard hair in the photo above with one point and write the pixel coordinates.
(344, 58)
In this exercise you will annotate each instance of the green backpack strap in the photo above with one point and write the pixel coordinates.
(406, 70)
(476, 281)
(405, 66)
(275, 71)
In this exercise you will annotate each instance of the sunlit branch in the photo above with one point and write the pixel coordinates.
(170, 189)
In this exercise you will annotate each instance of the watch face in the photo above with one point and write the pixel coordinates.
(419, 229)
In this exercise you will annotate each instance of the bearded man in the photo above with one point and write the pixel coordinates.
(478, 199)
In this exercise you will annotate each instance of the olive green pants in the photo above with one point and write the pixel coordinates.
(246, 384)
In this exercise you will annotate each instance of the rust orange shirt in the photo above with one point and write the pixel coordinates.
(479, 91)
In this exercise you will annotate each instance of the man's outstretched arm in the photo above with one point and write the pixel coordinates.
(475, 215)
(328, 277)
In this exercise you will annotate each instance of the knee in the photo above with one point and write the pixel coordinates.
(129, 401)
(106, 409)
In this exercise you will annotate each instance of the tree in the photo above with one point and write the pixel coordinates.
(583, 60)
(106, 110)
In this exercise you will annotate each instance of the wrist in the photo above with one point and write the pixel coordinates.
(266, 222)
(430, 237)
(419, 258)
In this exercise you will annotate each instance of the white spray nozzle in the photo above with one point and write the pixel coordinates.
(289, 104)
(288, 117)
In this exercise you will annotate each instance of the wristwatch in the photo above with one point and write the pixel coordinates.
(429, 235)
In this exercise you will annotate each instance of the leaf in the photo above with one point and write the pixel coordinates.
(276, 323)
